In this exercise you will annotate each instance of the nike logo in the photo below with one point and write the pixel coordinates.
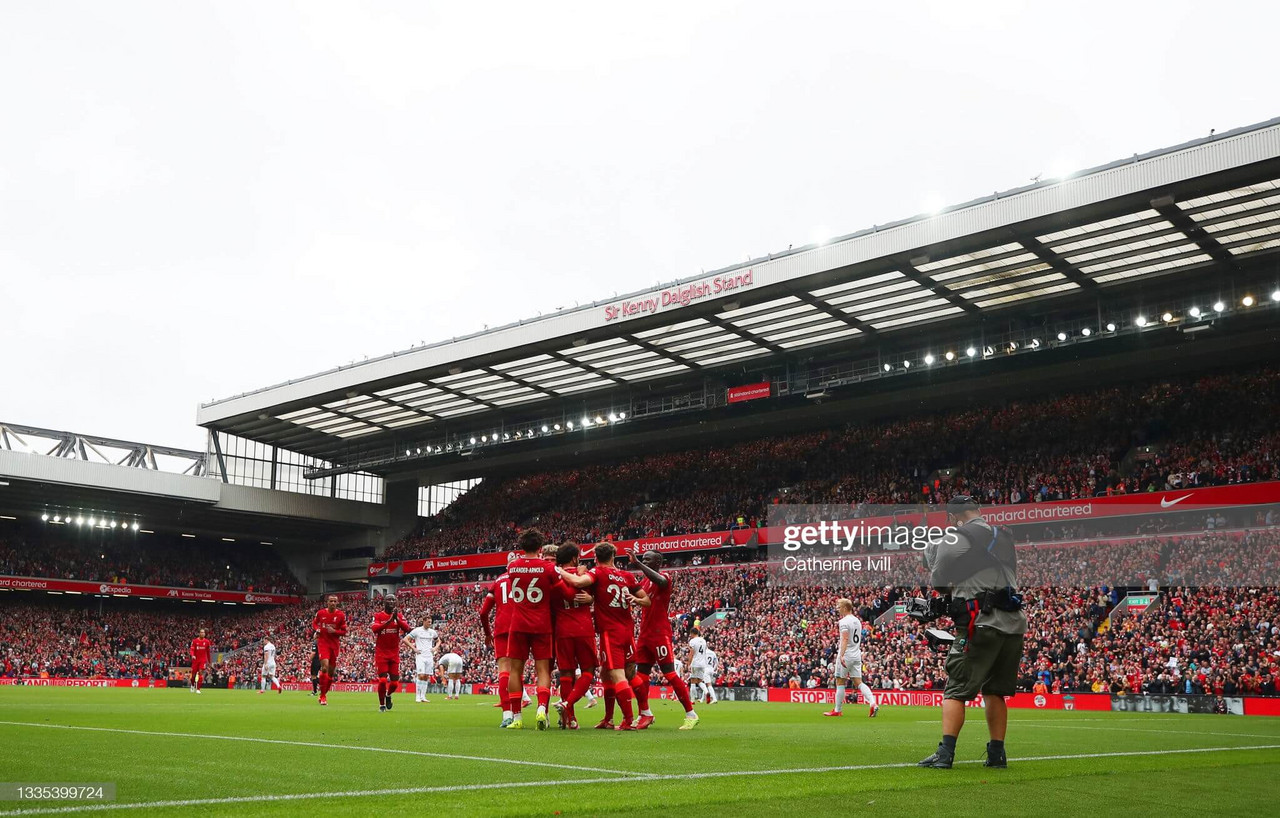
(1166, 503)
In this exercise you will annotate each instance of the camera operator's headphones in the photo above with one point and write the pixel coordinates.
(961, 503)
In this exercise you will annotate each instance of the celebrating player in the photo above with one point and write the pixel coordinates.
(849, 660)
(531, 581)
(200, 647)
(611, 586)
(575, 638)
(655, 642)
(388, 624)
(269, 669)
(329, 625)
(422, 641)
(451, 666)
(697, 663)
(499, 599)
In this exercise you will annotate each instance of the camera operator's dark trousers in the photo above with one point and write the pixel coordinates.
(987, 664)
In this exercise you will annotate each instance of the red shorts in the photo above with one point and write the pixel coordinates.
(386, 664)
(615, 650)
(500, 648)
(328, 650)
(520, 643)
(575, 652)
(652, 652)
(198, 665)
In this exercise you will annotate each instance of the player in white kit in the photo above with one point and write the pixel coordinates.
(269, 669)
(713, 671)
(451, 664)
(697, 662)
(422, 641)
(849, 660)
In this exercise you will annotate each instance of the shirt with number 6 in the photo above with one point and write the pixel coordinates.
(530, 580)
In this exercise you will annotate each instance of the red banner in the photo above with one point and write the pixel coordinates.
(35, 681)
(933, 698)
(74, 586)
(752, 391)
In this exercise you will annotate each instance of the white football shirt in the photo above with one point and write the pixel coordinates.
(424, 640)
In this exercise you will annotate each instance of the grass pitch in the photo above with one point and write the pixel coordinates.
(238, 753)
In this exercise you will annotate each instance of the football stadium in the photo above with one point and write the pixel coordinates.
(714, 512)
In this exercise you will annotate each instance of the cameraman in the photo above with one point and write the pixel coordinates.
(979, 573)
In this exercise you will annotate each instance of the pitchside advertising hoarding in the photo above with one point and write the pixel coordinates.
(72, 586)
(1021, 514)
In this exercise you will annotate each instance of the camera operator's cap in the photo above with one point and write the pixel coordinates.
(961, 503)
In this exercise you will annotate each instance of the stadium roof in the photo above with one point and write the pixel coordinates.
(1190, 210)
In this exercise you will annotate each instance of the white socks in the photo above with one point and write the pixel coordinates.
(867, 694)
(839, 708)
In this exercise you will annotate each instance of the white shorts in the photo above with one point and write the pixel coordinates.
(269, 670)
(424, 665)
(850, 665)
(456, 667)
(698, 672)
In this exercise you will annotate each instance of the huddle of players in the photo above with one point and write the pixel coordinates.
(546, 603)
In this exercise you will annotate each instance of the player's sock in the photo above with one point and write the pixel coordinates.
(566, 687)
(325, 682)
(867, 695)
(622, 691)
(640, 687)
(681, 691)
(839, 708)
(262, 684)
(315, 685)
(382, 692)
(609, 697)
(504, 692)
(544, 697)
(582, 687)
(198, 680)
(711, 691)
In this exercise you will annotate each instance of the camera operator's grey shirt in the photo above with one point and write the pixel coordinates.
(942, 557)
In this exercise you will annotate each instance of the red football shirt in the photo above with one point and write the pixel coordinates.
(573, 619)
(501, 594)
(530, 582)
(613, 610)
(200, 649)
(387, 628)
(655, 620)
(337, 619)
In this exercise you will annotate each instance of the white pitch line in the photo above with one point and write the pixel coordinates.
(1054, 726)
(254, 799)
(520, 762)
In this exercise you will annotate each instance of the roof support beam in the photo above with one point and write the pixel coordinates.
(1058, 264)
(217, 450)
(520, 382)
(462, 395)
(1177, 217)
(835, 312)
(586, 367)
(671, 356)
(909, 270)
(745, 334)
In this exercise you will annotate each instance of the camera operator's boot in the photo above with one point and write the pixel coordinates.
(940, 760)
(996, 757)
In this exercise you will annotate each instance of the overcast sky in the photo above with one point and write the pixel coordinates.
(198, 199)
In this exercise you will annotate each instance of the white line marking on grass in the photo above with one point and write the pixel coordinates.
(1055, 726)
(452, 756)
(254, 799)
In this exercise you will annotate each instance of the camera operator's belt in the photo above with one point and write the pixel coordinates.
(973, 607)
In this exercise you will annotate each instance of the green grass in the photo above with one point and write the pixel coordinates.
(733, 738)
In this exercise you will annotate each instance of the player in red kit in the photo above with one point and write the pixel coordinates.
(613, 590)
(330, 625)
(499, 599)
(388, 624)
(200, 647)
(532, 580)
(654, 646)
(575, 638)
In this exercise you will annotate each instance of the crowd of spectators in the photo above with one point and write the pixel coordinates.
(123, 556)
(1221, 637)
(1191, 432)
